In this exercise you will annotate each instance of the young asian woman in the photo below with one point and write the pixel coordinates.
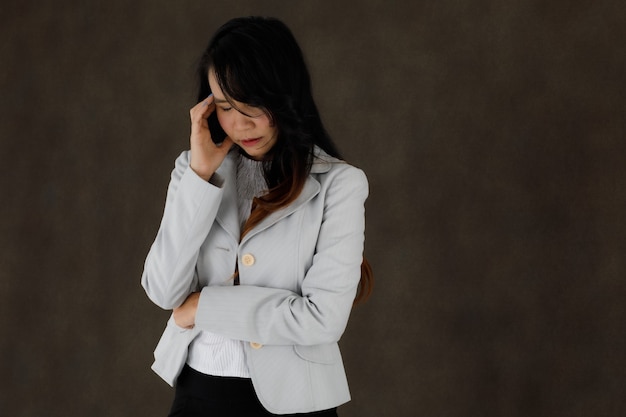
(260, 250)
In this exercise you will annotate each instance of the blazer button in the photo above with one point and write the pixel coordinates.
(255, 345)
(247, 259)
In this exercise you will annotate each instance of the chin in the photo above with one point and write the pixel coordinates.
(252, 154)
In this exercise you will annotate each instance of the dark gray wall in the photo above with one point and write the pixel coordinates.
(493, 136)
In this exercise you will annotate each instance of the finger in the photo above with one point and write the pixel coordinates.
(203, 109)
(207, 102)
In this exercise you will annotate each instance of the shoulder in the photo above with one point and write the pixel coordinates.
(329, 171)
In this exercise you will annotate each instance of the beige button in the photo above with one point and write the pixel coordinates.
(247, 259)
(255, 345)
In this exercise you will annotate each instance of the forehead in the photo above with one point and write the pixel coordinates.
(218, 94)
(220, 98)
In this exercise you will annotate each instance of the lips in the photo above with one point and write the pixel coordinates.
(250, 142)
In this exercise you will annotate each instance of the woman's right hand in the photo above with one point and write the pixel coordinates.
(206, 156)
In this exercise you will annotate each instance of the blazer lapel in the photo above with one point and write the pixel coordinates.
(321, 164)
(311, 189)
(228, 215)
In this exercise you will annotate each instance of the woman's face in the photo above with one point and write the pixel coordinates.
(252, 131)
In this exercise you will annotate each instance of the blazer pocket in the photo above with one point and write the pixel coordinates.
(326, 354)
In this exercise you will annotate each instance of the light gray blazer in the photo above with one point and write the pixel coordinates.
(299, 270)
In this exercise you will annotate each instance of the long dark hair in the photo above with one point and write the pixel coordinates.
(257, 61)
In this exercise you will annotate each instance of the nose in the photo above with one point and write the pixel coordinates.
(241, 121)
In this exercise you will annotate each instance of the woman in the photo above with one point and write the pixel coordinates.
(259, 252)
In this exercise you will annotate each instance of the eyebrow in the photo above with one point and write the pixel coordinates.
(219, 100)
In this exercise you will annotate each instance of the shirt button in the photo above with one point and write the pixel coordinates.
(247, 259)
(255, 345)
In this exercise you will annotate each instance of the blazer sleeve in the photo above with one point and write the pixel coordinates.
(190, 209)
(320, 314)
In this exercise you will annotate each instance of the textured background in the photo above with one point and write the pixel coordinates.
(493, 135)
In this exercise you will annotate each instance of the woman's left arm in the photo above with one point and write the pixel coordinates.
(281, 317)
